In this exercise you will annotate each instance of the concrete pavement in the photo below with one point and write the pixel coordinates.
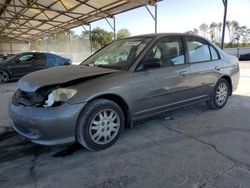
(6, 92)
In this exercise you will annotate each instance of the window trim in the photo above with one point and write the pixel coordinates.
(216, 51)
(181, 38)
(199, 40)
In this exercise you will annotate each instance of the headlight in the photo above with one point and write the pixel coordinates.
(60, 95)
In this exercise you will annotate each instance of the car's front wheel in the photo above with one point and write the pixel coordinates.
(4, 76)
(99, 124)
(220, 95)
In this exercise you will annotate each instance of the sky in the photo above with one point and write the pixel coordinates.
(178, 16)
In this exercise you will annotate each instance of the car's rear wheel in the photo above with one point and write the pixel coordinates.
(4, 76)
(99, 124)
(220, 95)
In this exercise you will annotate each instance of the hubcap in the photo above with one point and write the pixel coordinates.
(221, 93)
(3, 77)
(104, 126)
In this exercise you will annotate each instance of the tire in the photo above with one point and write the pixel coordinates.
(220, 95)
(94, 129)
(4, 77)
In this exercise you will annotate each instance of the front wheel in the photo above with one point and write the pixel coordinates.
(4, 77)
(99, 124)
(220, 95)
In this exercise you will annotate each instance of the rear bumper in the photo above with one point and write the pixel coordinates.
(235, 79)
(46, 126)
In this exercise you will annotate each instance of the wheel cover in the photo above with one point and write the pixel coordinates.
(4, 77)
(104, 126)
(221, 93)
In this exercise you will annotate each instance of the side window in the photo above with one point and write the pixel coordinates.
(214, 53)
(168, 51)
(59, 60)
(40, 57)
(51, 60)
(198, 50)
(27, 57)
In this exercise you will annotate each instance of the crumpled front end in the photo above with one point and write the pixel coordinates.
(41, 124)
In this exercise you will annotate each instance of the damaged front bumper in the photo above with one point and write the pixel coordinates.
(46, 126)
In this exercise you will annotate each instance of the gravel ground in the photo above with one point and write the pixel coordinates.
(194, 148)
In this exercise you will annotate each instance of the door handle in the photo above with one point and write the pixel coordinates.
(217, 68)
(182, 73)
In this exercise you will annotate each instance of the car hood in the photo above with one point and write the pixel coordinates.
(4, 62)
(59, 75)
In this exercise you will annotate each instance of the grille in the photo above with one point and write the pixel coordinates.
(27, 98)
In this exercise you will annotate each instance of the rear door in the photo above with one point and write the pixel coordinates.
(166, 86)
(205, 64)
(40, 62)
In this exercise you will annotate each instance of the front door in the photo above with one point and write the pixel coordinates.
(22, 65)
(164, 85)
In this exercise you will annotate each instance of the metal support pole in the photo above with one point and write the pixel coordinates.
(55, 47)
(114, 25)
(224, 23)
(29, 46)
(35, 46)
(154, 16)
(11, 48)
(90, 37)
(70, 45)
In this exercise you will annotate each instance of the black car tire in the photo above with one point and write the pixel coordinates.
(5, 75)
(213, 103)
(91, 111)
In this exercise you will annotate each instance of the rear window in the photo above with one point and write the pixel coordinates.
(54, 60)
(214, 53)
(198, 50)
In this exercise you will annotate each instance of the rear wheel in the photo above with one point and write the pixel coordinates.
(100, 124)
(4, 76)
(220, 95)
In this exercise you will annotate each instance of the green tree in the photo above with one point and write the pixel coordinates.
(194, 31)
(213, 26)
(123, 33)
(203, 28)
(232, 27)
(100, 37)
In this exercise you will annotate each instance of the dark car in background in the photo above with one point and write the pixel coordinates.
(21, 64)
(244, 57)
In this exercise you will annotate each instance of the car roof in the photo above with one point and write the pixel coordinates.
(159, 35)
(46, 53)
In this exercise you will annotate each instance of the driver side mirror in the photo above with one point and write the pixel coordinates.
(151, 63)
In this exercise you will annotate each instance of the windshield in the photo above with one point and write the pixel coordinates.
(119, 54)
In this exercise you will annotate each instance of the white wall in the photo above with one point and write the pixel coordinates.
(13, 47)
(237, 51)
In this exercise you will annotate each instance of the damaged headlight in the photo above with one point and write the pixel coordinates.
(59, 95)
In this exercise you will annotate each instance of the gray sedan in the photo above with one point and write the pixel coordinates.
(130, 79)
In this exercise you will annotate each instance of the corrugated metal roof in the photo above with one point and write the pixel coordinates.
(28, 20)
